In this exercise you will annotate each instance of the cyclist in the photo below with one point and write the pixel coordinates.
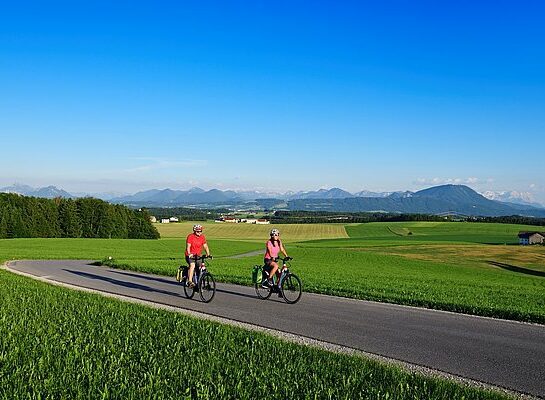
(194, 244)
(273, 247)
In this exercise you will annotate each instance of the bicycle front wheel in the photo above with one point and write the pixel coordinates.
(207, 287)
(292, 288)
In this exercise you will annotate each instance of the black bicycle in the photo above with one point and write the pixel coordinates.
(203, 281)
(290, 288)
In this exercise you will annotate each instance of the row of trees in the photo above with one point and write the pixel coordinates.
(313, 217)
(510, 219)
(26, 217)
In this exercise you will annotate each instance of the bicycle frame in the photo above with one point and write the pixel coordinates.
(198, 271)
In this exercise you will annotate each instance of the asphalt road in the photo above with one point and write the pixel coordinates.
(497, 352)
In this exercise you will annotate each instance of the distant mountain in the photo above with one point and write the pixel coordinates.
(400, 195)
(17, 188)
(169, 197)
(49, 192)
(334, 193)
(512, 197)
(458, 199)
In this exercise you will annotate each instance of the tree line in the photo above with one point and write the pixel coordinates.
(28, 217)
(313, 217)
(510, 219)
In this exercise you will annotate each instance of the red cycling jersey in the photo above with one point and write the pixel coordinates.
(196, 243)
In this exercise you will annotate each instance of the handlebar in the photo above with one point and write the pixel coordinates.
(285, 259)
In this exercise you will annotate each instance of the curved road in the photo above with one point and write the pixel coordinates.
(497, 352)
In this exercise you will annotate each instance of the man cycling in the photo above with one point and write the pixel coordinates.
(273, 247)
(195, 242)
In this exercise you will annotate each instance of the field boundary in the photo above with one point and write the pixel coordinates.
(288, 337)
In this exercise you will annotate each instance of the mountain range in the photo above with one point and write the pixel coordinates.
(458, 199)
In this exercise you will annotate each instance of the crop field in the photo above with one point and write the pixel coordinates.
(290, 232)
(58, 343)
(432, 267)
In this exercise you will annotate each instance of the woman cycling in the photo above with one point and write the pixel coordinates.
(273, 247)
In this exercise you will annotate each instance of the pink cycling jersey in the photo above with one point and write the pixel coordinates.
(272, 249)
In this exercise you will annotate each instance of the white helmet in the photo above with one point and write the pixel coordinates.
(275, 232)
(197, 227)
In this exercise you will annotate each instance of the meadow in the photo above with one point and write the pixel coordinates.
(254, 232)
(463, 267)
(64, 344)
(82, 345)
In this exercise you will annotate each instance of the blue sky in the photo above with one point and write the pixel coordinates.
(273, 95)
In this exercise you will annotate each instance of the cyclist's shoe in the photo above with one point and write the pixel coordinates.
(190, 284)
(265, 284)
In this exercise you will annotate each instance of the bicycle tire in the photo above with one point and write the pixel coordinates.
(207, 287)
(291, 288)
(189, 292)
(262, 293)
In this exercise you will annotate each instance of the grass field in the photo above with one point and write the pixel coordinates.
(62, 344)
(260, 233)
(432, 267)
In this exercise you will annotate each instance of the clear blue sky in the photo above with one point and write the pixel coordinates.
(291, 95)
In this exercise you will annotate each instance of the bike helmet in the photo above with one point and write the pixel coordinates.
(197, 227)
(275, 232)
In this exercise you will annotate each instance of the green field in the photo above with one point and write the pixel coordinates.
(260, 233)
(57, 343)
(85, 346)
(463, 267)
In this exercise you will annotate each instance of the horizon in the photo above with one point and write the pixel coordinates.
(273, 97)
(516, 197)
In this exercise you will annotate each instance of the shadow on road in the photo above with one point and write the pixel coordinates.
(149, 278)
(236, 293)
(514, 268)
(122, 283)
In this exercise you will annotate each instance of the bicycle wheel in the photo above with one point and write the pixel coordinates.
(189, 292)
(262, 292)
(292, 288)
(207, 287)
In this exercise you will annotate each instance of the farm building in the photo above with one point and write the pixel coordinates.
(531, 238)
(152, 218)
(228, 219)
(173, 219)
(165, 220)
(262, 221)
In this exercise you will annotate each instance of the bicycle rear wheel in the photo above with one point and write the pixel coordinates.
(207, 287)
(189, 292)
(262, 292)
(292, 288)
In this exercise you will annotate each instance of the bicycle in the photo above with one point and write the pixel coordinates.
(290, 288)
(203, 280)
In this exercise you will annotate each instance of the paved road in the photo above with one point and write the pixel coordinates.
(498, 352)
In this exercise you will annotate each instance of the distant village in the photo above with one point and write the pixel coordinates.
(221, 220)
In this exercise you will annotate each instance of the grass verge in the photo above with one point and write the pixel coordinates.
(59, 343)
